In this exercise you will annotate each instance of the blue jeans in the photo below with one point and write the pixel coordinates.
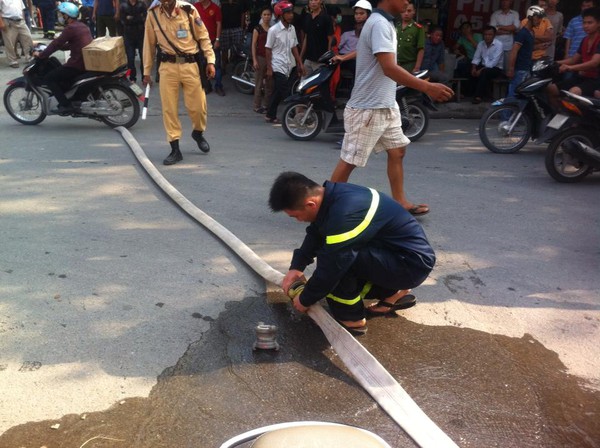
(134, 42)
(520, 76)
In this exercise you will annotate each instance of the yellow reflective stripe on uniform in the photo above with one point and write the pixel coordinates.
(336, 239)
(343, 301)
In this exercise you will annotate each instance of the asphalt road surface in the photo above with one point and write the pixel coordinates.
(112, 296)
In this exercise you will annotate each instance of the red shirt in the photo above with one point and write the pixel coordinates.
(210, 16)
(587, 50)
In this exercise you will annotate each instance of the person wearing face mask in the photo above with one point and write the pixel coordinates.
(349, 40)
(74, 37)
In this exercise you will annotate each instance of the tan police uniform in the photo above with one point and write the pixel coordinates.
(177, 69)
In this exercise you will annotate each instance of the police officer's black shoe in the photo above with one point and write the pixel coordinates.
(202, 143)
(175, 155)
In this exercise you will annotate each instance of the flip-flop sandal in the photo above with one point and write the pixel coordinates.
(272, 120)
(417, 210)
(355, 331)
(402, 303)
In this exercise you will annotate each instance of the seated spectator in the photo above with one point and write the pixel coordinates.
(349, 40)
(467, 42)
(543, 35)
(487, 63)
(520, 60)
(585, 63)
(433, 57)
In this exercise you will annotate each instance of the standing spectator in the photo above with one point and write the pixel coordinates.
(507, 23)
(14, 28)
(317, 29)
(336, 18)
(106, 14)
(411, 41)
(28, 12)
(133, 17)
(556, 19)
(87, 12)
(585, 64)
(520, 60)
(372, 117)
(574, 33)
(259, 60)
(210, 14)
(542, 35)
(233, 13)
(175, 26)
(281, 50)
(48, 13)
(433, 56)
(487, 62)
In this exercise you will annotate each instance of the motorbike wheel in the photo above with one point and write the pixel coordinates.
(293, 116)
(495, 129)
(418, 121)
(24, 106)
(561, 166)
(124, 101)
(244, 70)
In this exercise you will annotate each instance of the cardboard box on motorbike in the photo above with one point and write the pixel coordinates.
(104, 54)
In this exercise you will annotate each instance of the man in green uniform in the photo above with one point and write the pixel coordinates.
(411, 41)
(175, 26)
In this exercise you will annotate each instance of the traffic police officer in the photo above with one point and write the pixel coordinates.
(175, 26)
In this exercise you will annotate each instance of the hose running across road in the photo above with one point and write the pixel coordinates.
(365, 368)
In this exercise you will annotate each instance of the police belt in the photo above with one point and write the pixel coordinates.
(183, 58)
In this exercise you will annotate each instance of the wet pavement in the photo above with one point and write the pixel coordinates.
(483, 390)
(511, 262)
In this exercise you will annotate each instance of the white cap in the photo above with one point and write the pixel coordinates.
(364, 4)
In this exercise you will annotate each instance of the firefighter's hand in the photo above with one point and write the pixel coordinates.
(146, 80)
(210, 71)
(292, 276)
(439, 92)
(298, 305)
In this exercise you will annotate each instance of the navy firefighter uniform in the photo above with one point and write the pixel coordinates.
(366, 245)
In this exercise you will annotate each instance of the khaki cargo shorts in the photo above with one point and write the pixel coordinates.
(369, 130)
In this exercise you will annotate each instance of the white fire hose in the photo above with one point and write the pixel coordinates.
(369, 373)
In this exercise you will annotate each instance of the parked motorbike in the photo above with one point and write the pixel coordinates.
(510, 123)
(243, 68)
(574, 152)
(308, 111)
(107, 97)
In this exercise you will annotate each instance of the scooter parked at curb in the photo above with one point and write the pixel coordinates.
(511, 122)
(107, 97)
(574, 152)
(308, 112)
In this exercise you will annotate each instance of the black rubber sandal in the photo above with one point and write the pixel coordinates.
(355, 331)
(402, 303)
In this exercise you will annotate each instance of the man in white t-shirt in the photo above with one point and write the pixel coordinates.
(507, 23)
(372, 118)
(282, 55)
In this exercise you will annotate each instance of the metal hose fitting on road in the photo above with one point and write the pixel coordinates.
(365, 368)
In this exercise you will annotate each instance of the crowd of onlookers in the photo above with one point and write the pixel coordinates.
(504, 50)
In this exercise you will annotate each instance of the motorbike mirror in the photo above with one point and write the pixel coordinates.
(325, 57)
